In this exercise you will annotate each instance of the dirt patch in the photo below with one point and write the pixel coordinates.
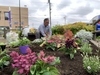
(66, 67)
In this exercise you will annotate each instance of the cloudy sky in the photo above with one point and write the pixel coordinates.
(63, 11)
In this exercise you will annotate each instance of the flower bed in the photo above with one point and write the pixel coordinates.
(66, 67)
(71, 63)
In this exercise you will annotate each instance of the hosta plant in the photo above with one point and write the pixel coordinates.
(45, 65)
(91, 64)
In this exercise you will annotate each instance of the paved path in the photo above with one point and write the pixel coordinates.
(2, 40)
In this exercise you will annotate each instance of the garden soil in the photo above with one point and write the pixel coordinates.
(66, 67)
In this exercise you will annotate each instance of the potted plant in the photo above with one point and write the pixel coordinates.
(23, 44)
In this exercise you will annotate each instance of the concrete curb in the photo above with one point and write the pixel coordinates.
(96, 43)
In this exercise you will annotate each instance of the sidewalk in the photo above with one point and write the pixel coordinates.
(2, 39)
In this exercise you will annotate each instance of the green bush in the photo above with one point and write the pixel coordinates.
(75, 27)
(58, 29)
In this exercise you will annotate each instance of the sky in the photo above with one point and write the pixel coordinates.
(62, 11)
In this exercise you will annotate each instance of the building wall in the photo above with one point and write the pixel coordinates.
(15, 22)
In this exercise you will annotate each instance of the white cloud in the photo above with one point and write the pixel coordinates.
(74, 10)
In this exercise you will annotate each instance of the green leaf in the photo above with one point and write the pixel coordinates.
(5, 58)
(15, 73)
(52, 71)
(6, 63)
(1, 62)
(47, 73)
(63, 48)
(3, 53)
(57, 61)
(33, 69)
(71, 56)
(38, 73)
(51, 46)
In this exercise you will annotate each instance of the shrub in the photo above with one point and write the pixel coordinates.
(75, 27)
(58, 29)
(83, 34)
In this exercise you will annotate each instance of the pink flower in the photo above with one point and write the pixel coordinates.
(50, 41)
(23, 62)
(15, 61)
(20, 71)
(14, 54)
(13, 65)
(27, 67)
(49, 59)
(41, 55)
(29, 50)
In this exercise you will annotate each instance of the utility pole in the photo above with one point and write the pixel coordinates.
(49, 11)
(65, 19)
(19, 16)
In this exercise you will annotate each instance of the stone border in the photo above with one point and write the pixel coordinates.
(95, 43)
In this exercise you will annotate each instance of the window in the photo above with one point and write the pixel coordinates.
(16, 23)
(6, 15)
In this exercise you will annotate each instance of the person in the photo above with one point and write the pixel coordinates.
(44, 29)
(98, 28)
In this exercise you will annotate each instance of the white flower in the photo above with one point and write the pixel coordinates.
(11, 36)
(88, 67)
